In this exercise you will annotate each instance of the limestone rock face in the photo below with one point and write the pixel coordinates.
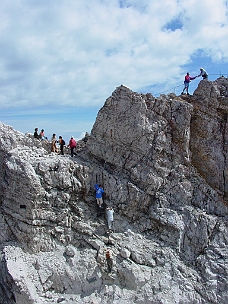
(162, 163)
(209, 134)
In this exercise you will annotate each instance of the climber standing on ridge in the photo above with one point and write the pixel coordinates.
(53, 143)
(187, 80)
(61, 144)
(110, 212)
(99, 192)
(203, 73)
(36, 135)
(72, 145)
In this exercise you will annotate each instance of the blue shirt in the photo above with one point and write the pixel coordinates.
(99, 191)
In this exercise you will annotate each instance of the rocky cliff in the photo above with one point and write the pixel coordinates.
(163, 165)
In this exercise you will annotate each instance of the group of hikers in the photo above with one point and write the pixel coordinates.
(99, 189)
(72, 145)
(99, 192)
(40, 135)
(72, 142)
(109, 211)
(188, 79)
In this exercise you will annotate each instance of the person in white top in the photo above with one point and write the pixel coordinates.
(203, 73)
(110, 212)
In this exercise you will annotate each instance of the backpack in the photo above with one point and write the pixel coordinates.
(63, 142)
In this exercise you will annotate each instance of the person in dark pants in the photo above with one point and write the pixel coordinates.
(72, 145)
(108, 256)
(36, 135)
(203, 73)
(61, 144)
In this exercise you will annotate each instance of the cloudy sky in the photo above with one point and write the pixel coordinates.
(61, 59)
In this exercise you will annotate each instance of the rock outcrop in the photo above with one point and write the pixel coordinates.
(163, 165)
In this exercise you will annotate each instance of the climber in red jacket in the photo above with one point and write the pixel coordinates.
(72, 145)
(187, 80)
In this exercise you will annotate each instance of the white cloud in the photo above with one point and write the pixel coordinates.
(77, 52)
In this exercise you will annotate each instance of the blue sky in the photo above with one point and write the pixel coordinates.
(61, 59)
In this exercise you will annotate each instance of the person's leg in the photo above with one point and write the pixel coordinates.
(184, 88)
(100, 201)
(110, 264)
(109, 224)
(97, 201)
(187, 85)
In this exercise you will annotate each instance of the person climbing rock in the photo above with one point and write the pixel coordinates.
(187, 80)
(99, 193)
(108, 256)
(203, 73)
(110, 213)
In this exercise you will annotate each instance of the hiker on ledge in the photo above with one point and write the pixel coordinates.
(203, 73)
(187, 80)
(72, 145)
(99, 192)
(36, 135)
(53, 143)
(61, 144)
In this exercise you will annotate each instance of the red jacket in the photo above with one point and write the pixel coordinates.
(72, 143)
(188, 78)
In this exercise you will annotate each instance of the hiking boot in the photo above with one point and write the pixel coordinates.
(188, 94)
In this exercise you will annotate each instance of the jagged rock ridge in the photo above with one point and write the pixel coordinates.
(162, 162)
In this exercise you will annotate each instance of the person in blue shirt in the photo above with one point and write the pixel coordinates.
(99, 192)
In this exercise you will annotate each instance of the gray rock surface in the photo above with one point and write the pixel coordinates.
(163, 165)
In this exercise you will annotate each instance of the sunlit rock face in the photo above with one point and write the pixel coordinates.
(209, 134)
(162, 163)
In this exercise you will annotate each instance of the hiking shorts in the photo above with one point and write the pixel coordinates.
(99, 201)
(186, 84)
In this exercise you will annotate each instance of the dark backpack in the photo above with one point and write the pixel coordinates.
(63, 142)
